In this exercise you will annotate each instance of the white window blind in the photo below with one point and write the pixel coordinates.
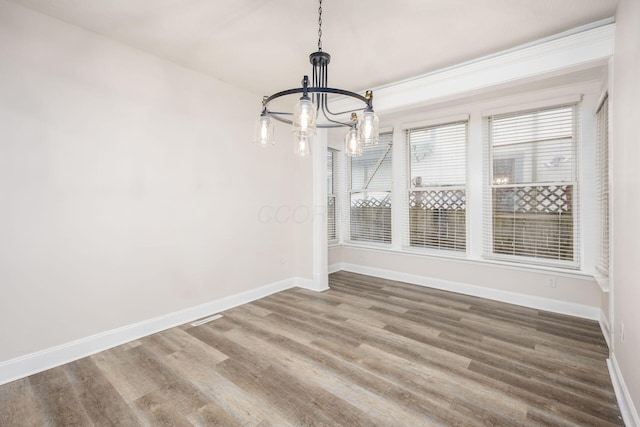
(531, 214)
(437, 186)
(332, 234)
(602, 119)
(370, 193)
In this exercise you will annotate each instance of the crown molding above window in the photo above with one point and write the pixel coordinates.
(547, 58)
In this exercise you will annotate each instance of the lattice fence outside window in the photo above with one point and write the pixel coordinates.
(534, 221)
(371, 219)
(437, 218)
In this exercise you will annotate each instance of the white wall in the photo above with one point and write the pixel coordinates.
(626, 195)
(334, 255)
(128, 186)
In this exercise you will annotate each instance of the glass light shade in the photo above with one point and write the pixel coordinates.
(352, 145)
(304, 118)
(368, 128)
(303, 144)
(264, 132)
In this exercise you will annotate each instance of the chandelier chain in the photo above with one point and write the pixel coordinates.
(320, 26)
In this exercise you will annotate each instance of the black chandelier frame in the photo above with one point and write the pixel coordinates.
(319, 95)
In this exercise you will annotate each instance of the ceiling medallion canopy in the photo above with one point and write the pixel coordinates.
(312, 110)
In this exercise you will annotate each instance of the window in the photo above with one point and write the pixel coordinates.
(602, 142)
(332, 234)
(437, 186)
(532, 186)
(370, 193)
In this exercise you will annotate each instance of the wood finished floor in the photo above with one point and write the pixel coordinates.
(367, 352)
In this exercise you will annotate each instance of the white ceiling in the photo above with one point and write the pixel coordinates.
(263, 45)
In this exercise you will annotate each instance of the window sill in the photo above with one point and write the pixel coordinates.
(532, 262)
(369, 245)
(560, 272)
(603, 281)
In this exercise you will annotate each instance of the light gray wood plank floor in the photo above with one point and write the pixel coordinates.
(366, 352)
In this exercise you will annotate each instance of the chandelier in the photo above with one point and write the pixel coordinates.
(312, 110)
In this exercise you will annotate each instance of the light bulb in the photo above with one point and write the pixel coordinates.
(368, 128)
(304, 117)
(352, 145)
(303, 144)
(264, 131)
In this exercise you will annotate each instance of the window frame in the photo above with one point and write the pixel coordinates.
(332, 195)
(603, 189)
(409, 188)
(350, 191)
(488, 218)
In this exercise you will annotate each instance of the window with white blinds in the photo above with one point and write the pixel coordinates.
(332, 234)
(602, 119)
(531, 214)
(370, 193)
(437, 186)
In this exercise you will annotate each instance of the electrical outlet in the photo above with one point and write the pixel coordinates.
(621, 332)
(553, 282)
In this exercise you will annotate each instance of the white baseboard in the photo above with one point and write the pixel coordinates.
(606, 330)
(540, 303)
(334, 267)
(39, 361)
(627, 408)
(303, 282)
